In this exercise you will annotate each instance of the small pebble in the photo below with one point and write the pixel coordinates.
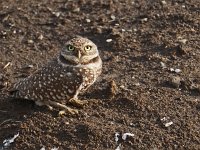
(109, 40)
(3, 32)
(135, 30)
(76, 9)
(168, 124)
(175, 81)
(98, 30)
(30, 41)
(183, 41)
(171, 69)
(117, 137)
(88, 20)
(137, 84)
(177, 70)
(163, 65)
(57, 14)
(125, 135)
(164, 2)
(40, 37)
(112, 17)
(67, 123)
(118, 147)
(43, 148)
(144, 19)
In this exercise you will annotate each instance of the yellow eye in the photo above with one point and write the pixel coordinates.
(70, 47)
(88, 48)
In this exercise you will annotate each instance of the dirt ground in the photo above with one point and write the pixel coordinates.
(153, 58)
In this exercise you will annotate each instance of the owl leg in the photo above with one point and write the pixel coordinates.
(41, 103)
(61, 106)
(77, 103)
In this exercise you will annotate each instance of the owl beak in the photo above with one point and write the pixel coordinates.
(79, 54)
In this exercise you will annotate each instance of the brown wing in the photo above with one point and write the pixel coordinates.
(51, 82)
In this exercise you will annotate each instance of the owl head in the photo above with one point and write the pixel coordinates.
(79, 50)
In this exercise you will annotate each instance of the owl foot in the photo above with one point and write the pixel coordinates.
(49, 104)
(64, 107)
(77, 103)
(68, 111)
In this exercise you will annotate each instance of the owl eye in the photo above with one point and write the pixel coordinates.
(70, 47)
(88, 48)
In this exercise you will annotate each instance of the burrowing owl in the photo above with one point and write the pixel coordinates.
(61, 80)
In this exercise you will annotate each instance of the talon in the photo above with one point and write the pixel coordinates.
(62, 112)
(69, 110)
(77, 102)
(72, 111)
(65, 108)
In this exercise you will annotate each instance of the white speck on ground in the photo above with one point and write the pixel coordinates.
(88, 20)
(177, 70)
(112, 17)
(124, 136)
(118, 147)
(116, 137)
(7, 142)
(55, 148)
(109, 40)
(43, 148)
(168, 124)
(163, 65)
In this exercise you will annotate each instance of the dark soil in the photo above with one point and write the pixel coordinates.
(151, 73)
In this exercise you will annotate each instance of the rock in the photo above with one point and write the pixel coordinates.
(113, 89)
(144, 20)
(175, 81)
(57, 14)
(183, 41)
(163, 65)
(40, 37)
(30, 41)
(177, 70)
(109, 40)
(76, 9)
(112, 17)
(164, 2)
(88, 20)
(116, 33)
(166, 121)
(97, 29)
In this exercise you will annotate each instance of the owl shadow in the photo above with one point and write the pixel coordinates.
(98, 94)
(99, 90)
(16, 108)
(12, 113)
